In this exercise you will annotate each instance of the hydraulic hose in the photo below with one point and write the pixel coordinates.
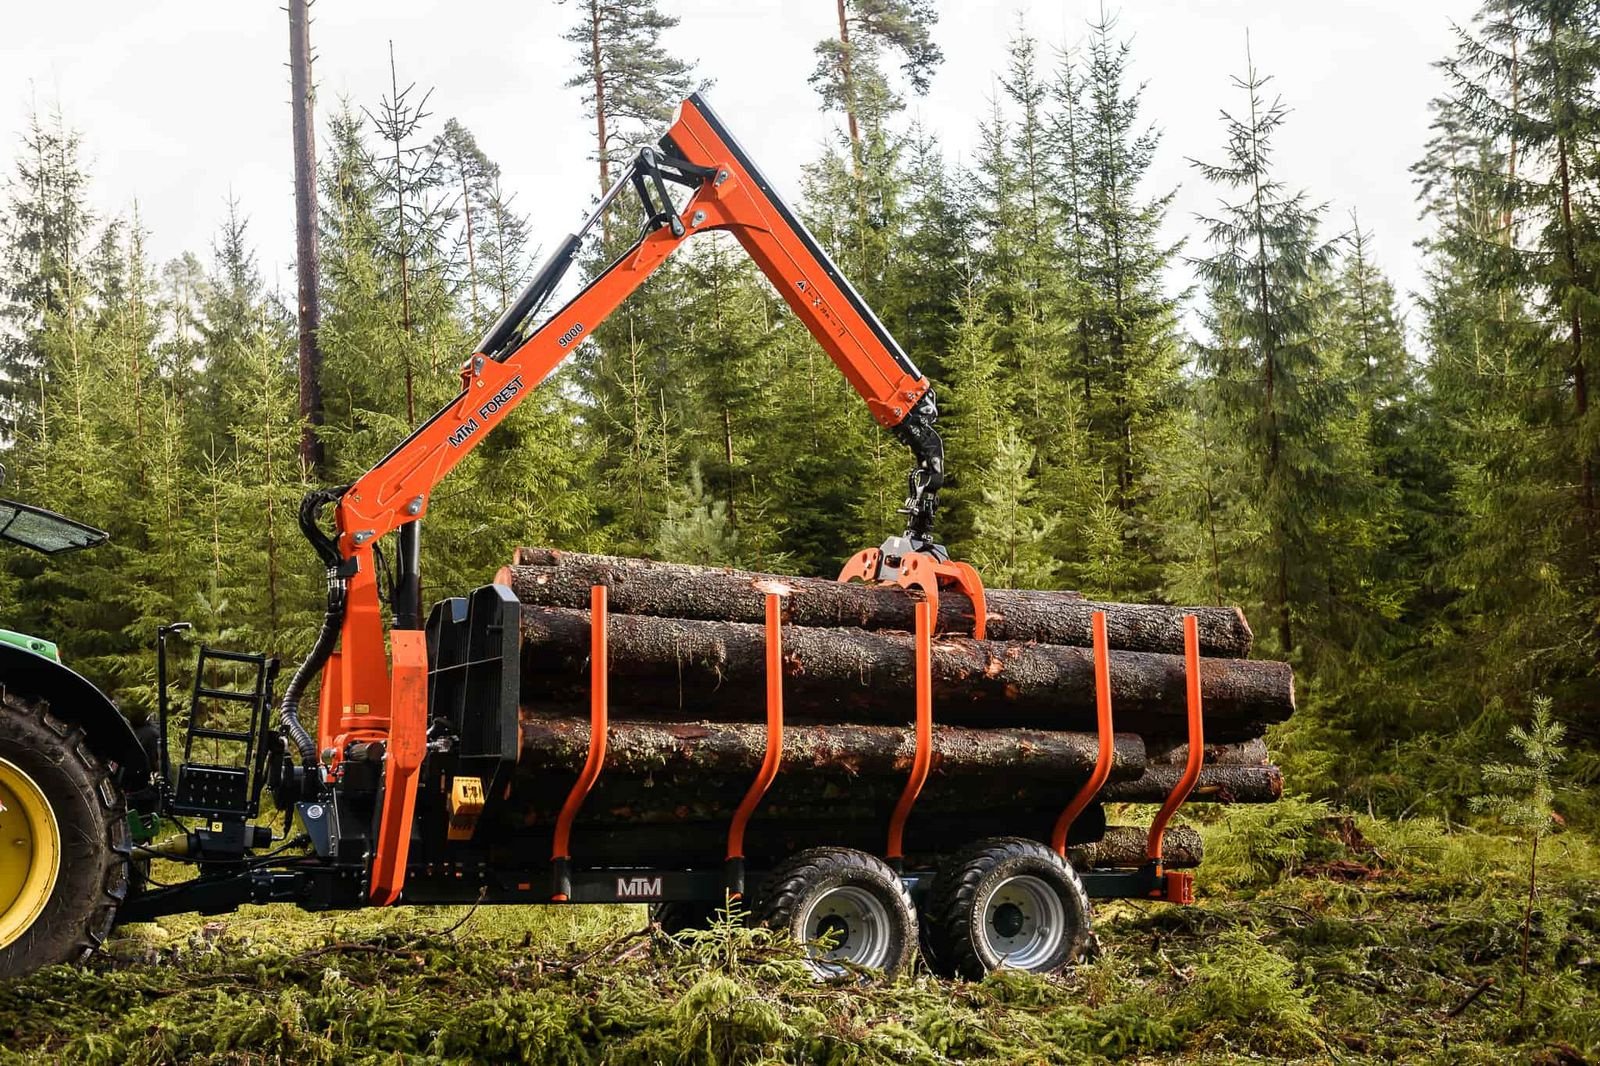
(327, 638)
(332, 622)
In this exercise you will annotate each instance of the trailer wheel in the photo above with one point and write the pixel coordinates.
(63, 840)
(849, 909)
(1006, 902)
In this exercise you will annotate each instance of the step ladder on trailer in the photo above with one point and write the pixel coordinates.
(222, 768)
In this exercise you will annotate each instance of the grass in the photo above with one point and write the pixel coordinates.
(1317, 938)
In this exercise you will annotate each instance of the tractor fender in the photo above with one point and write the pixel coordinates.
(73, 698)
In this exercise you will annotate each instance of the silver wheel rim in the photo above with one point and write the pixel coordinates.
(1024, 923)
(854, 922)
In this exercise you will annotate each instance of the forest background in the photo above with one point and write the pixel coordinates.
(1404, 508)
(1404, 504)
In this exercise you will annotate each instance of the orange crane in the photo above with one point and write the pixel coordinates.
(374, 690)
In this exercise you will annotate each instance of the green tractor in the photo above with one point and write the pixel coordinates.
(69, 761)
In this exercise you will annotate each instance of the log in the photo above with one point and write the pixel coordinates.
(635, 790)
(1125, 845)
(1217, 784)
(737, 748)
(715, 669)
(547, 578)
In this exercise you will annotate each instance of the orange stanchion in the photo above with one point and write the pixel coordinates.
(774, 754)
(923, 759)
(560, 853)
(1102, 762)
(1197, 742)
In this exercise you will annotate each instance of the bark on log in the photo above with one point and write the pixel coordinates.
(1124, 845)
(716, 669)
(543, 577)
(737, 748)
(1217, 784)
(1163, 752)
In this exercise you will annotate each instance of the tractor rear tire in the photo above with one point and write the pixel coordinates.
(64, 841)
(1006, 902)
(847, 907)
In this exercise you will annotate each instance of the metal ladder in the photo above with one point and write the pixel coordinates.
(224, 789)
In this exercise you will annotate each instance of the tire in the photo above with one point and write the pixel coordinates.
(1006, 902)
(72, 818)
(849, 909)
(676, 916)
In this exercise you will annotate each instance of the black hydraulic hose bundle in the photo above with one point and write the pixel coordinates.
(332, 622)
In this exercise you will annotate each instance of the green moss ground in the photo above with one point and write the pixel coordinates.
(1316, 939)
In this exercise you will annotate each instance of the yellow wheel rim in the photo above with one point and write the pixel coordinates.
(30, 852)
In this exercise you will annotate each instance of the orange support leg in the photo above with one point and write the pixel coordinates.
(407, 743)
(774, 753)
(599, 712)
(1102, 762)
(1197, 742)
(923, 760)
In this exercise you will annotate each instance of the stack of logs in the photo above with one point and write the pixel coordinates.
(1014, 713)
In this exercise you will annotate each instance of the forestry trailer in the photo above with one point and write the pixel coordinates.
(460, 754)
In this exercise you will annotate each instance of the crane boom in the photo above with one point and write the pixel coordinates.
(374, 689)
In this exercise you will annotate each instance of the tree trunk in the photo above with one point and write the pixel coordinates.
(545, 578)
(715, 669)
(302, 101)
(847, 83)
(1125, 845)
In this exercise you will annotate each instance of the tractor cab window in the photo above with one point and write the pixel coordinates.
(45, 531)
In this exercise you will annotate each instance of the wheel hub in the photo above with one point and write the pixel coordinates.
(1009, 920)
(847, 924)
(1024, 922)
(30, 852)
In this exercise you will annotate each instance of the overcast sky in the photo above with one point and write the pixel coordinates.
(182, 102)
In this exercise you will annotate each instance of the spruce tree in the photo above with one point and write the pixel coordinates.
(1268, 294)
(46, 219)
(503, 252)
(409, 176)
(1129, 318)
(1517, 276)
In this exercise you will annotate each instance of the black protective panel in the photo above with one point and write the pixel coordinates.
(45, 531)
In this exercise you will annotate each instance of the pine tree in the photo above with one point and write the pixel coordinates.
(630, 82)
(475, 182)
(697, 528)
(975, 414)
(1539, 102)
(849, 77)
(1521, 797)
(226, 320)
(1514, 280)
